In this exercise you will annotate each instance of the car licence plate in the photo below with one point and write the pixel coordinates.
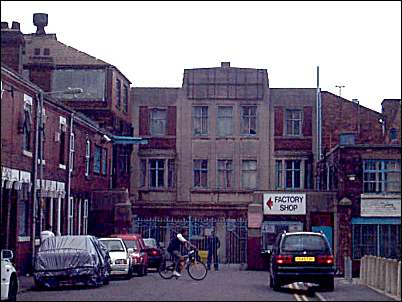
(304, 259)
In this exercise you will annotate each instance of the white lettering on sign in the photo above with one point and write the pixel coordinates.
(284, 204)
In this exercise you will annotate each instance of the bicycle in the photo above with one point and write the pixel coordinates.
(195, 268)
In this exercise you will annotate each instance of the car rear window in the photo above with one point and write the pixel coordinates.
(131, 244)
(297, 243)
(113, 245)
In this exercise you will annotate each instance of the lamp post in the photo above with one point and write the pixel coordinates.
(39, 134)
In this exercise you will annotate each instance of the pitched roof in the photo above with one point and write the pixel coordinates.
(60, 54)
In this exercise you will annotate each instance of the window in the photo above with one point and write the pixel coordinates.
(308, 176)
(70, 221)
(200, 120)
(62, 139)
(46, 51)
(158, 122)
(97, 159)
(347, 139)
(118, 93)
(27, 123)
(225, 174)
(37, 51)
(393, 134)
(381, 176)
(249, 174)
(278, 174)
(72, 151)
(23, 219)
(85, 218)
(124, 160)
(171, 173)
(200, 173)
(156, 173)
(104, 161)
(225, 121)
(87, 156)
(292, 174)
(249, 120)
(293, 122)
(383, 240)
(125, 98)
(143, 172)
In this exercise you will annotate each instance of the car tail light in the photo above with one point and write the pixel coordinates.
(325, 259)
(154, 253)
(280, 259)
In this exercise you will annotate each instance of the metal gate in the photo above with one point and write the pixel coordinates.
(232, 233)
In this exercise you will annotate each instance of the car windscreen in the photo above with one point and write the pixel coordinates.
(131, 244)
(150, 242)
(298, 243)
(113, 245)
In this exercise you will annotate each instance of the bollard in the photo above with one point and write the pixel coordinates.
(347, 268)
(394, 276)
(387, 276)
(381, 274)
(372, 271)
(398, 292)
(378, 272)
(362, 270)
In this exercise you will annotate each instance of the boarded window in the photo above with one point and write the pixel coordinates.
(249, 174)
(225, 121)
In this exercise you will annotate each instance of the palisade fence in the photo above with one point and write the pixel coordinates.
(232, 233)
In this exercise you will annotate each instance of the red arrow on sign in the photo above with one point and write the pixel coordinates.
(270, 203)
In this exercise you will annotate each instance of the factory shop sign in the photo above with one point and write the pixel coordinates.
(284, 204)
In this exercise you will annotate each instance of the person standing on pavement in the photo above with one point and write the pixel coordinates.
(213, 244)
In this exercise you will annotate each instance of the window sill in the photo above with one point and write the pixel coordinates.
(146, 190)
(41, 162)
(253, 137)
(201, 137)
(226, 138)
(27, 153)
(62, 166)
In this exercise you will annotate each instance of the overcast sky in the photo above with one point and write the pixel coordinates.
(355, 44)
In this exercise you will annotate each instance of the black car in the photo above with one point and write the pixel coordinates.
(302, 257)
(154, 252)
(71, 260)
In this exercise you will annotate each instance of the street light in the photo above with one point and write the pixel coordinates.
(40, 129)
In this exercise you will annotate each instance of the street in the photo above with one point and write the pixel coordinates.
(228, 284)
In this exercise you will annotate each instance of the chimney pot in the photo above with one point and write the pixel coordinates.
(225, 64)
(4, 25)
(15, 25)
(40, 21)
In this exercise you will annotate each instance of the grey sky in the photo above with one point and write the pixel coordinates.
(356, 44)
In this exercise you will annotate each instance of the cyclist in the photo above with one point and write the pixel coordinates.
(174, 249)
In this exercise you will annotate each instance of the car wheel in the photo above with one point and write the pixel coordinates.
(271, 284)
(129, 274)
(13, 289)
(38, 285)
(106, 278)
(145, 270)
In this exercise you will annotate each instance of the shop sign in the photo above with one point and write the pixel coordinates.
(376, 207)
(284, 204)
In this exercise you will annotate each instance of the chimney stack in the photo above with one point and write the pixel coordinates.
(225, 64)
(15, 25)
(40, 21)
(12, 44)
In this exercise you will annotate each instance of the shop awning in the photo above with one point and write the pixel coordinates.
(129, 140)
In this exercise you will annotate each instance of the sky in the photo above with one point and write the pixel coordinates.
(355, 44)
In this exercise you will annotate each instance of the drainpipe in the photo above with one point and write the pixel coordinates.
(318, 125)
(69, 168)
(34, 197)
(42, 130)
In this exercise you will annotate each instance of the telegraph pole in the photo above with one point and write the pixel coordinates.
(340, 88)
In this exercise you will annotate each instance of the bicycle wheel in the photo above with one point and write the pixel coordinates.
(197, 270)
(166, 269)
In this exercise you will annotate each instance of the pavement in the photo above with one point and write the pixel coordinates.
(26, 283)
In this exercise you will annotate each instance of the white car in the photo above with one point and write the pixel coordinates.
(9, 279)
(119, 256)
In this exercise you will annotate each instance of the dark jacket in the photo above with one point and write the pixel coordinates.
(213, 243)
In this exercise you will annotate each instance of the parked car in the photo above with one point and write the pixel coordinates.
(302, 257)
(154, 252)
(9, 279)
(137, 250)
(72, 260)
(120, 258)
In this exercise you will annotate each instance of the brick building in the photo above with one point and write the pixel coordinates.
(81, 177)
(226, 144)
